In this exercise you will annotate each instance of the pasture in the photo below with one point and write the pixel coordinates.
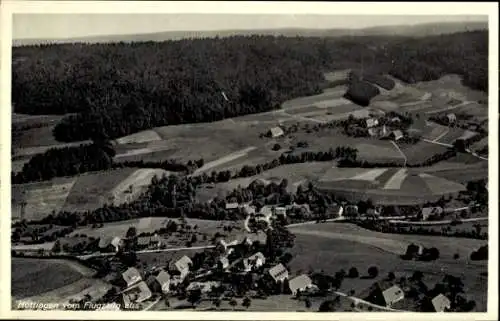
(421, 151)
(92, 190)
(40, 199)
(33, 277)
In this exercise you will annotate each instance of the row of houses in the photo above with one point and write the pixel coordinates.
(388, 295)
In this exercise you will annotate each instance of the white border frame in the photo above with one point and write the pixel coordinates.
(8, 8)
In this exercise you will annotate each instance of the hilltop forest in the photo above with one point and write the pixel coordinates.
(113, 90)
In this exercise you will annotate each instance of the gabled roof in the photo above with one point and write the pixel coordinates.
(143, 240)
(276, 131)
(116, 241)
(183, 264)
(131, 276)
(299, 283)
(441, 303)
(278, 272)
(163, 279)
(393, 294)
(249, 261)
(397, 134)
(137, 293)
(224, 261)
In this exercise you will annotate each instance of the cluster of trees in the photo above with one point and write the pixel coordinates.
(118, 89)
(74, 160)
(33, 234)
(66, 161)
(480, 254)
(361, 92)
(449, 153)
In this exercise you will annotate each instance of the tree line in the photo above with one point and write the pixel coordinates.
(118, 89)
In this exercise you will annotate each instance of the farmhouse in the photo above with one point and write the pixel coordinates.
(428, 212)
(163, 278)
(136, 294)
(300, 283)
(279, 273)
(143, 241)
(396, 135)
(441, 303)
(371, 122)
(304, 208)
(372, 212)
(395, 120)
(452, 118)
(117, 243)
(275, 132)
(254, 261)
(131, 276)
(373, 131)
(183, 265)
(386, 294)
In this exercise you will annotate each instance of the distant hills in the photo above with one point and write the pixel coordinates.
(420, 30)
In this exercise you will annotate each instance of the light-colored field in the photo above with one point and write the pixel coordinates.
(337, 75)
(40, 199)
(135, 184)
(338, 174)
(225, 159)
(370, 175)
(140, 137)
(147, 224)
(396, 180)
(332, 94)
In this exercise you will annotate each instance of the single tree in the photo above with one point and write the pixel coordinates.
(194, 297)
(233, 303)
(308, 303)
(353, 272)
(246, 302)
(373, 271)
(391, 276)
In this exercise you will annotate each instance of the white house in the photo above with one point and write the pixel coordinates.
(441, 303)
(392, 295)
(280, 211)
(397, 135)
(136, 294)
(117, 242)
(131, 276)
(232, 206)
(183, 265)
(371, 122)
(163, 279)
(276, 132)
(300, 283)
(451, 118)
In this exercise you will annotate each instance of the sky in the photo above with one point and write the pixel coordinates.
(59, 26)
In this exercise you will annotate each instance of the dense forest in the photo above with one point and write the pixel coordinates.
(118, 89)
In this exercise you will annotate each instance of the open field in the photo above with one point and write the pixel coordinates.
(135, 184)
(40, 199)
(32, 277)
(421, 151)
(140, 137)
(387, 185)
(331, 247)
(92, 190)
(328, 94)
(39, 149)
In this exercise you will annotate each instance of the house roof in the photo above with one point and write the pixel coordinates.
(266, 210)
(131, 276)
(116, 241)
(370, 122)
(231, 206)
(183, 263)
(278, 272)
(249, 209)
(299, 282)
(203, 286)
(440, 303)
(105, 241)
(393, 294)
(397, 134)
(137, 293)
(224, 261)
(163, 278)
(276, 131)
